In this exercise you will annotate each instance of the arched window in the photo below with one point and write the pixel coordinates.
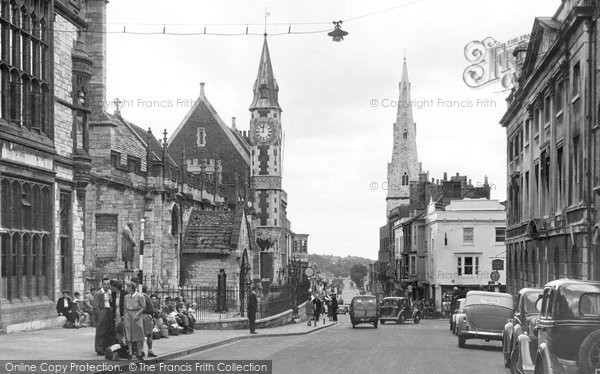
(405, 179)
(556, 263)
(175, 221)
(405, 134)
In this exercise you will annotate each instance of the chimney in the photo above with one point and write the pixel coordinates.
(485, 180)
(202, 89)
(95, 42)
(470, 183)
(233, 123)
(457, 175)
(445, 176)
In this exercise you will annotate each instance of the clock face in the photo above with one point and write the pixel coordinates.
(264, 131)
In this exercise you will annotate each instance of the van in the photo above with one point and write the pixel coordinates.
(363, 309)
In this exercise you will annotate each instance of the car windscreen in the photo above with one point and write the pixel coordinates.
(389, 302)
(364, 301)
(479, 299)
(529, 300)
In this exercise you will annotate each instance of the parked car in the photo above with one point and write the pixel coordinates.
(568, 330)
(363, 309)
(342, 309)
(453, 317)
(485, 314)
(399, 310)
(525, 317)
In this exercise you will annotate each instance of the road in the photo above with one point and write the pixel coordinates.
(425, 348)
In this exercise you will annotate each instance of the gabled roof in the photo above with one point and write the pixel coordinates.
(541, 26)
(212, 232)
(202, 104)
(141, 136)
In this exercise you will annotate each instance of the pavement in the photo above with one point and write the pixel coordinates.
(78, 344)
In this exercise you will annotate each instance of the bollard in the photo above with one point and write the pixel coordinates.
(323, 320)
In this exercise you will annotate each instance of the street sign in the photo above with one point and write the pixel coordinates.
(497, 264)
(309, 272)
(494, 276)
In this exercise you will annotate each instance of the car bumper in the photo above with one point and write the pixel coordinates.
(358, 320)
(487, 335)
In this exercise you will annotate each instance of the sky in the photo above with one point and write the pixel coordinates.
(337, 98)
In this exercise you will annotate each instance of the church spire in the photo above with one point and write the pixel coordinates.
(404, 167)
(265, 88)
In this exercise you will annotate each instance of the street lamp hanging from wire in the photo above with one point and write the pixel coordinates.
(337, 34)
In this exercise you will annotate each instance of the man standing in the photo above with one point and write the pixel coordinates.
(105, 328)
(252, 307)
(334, 307)
(127, 243)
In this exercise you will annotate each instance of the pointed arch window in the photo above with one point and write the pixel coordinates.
(23, 273)
(405, 179)
(201, 137)
(25, 40)
(263, 91)
(405, 134)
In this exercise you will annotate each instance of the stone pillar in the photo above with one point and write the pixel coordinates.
(95, 41)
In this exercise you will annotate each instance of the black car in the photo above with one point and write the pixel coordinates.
(526, 315)
(568, 330)
(399, 310)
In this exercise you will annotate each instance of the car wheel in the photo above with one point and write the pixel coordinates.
(417, 319)
(461, 341)
(382, 321)
(589, 353)
(451, 325)
(400, 319)
(353, 325)
(375, 324)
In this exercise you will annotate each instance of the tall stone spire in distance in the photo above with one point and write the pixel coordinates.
(404, 167)
(266, 90)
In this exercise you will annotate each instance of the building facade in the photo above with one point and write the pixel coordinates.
(462, 240)
(552, 151)
(44, 161)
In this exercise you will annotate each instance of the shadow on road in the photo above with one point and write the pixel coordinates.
(483, 347)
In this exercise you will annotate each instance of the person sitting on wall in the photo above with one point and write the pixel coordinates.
(65, 307)
(79, 306)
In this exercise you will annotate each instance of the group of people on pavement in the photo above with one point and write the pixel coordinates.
(326, 305)
(77, 311)
(125, 318)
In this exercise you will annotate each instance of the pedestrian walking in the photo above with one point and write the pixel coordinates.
(318, 309)
(148, 321)
(105, 318)
(252, 307)
(310, 310)
(334, 307)
(135, 304)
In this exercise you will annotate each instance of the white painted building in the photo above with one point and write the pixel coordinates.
(463, 239)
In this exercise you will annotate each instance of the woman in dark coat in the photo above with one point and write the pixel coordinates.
(318, 308)
(334, 307)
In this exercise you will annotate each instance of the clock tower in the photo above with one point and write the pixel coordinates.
(265, 142)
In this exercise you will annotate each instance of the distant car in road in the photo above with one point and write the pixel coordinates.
(456, 315)
(342, 309)
(485, 314)
(399, 310)
(525, 317)
(568, 330)
(363, 309)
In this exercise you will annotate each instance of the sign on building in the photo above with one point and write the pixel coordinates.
(498, 264)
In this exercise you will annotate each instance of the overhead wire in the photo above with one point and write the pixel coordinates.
(166, 26)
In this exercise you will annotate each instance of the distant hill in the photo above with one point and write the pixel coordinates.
(336, 266)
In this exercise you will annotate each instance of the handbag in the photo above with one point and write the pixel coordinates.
(112, 352)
